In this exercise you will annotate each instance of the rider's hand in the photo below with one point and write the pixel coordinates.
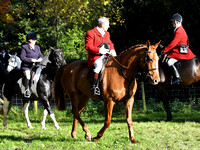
(39, 60)
(34, 60)
(113, 53)
(103, 50)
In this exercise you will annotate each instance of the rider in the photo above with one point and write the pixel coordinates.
(180, 37)
(97, 51)
(30, 54)
(4, 56)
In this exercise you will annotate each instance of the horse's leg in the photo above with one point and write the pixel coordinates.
(129, 108)
(6, 108)
(43, 119)
(77, 108)
(162, 93)
(108, 108)
(46, 105)
(25, 110)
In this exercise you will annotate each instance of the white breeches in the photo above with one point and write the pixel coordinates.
(98, 64)
(27, 73)
(171, 61)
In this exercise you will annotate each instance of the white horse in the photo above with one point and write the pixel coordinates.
(13, 62)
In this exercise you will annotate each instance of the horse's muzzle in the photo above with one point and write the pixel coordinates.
(154, 81)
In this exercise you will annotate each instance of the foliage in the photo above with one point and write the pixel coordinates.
(73, 44)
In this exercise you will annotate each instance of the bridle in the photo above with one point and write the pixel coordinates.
(147, 73)
(147, 60)
(13, 65)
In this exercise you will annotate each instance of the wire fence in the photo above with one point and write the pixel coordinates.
(184, 94)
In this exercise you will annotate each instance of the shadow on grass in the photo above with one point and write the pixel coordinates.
(118, 118)
(33, 138)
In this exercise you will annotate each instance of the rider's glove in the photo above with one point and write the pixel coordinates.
(39, 60)
(103, 50)
(113, 53)
(34, 60)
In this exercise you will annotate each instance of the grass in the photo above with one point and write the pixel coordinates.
(150, 129)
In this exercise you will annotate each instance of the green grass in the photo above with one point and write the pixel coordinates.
(150, 129)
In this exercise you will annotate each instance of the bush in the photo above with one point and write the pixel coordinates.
(73, 44)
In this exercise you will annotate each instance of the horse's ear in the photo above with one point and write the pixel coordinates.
(148, 43)
(156, 45)
(51, 47)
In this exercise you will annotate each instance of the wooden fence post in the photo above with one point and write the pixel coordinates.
(35, 107)
(143, 96)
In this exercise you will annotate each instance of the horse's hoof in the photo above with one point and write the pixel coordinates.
(30, 127)
(57, 127)
(169, 119)
(73, 135)
(134, 141)
(96, 139)
(44, 128)
(88, 137)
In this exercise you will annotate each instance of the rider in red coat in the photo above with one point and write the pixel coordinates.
(180, 37)
(98, 44)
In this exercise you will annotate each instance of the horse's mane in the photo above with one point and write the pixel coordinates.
(135, 47)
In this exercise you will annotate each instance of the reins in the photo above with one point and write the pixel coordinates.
(119, 63)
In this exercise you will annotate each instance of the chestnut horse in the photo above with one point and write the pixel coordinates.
(189, 71)
(118, 84)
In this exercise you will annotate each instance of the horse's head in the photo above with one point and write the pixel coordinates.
(57, 56)
(13, 62)
(151, 63)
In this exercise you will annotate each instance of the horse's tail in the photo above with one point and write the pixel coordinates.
(58, 90)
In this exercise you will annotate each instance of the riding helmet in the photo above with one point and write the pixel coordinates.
(177, 17)
(31, 35)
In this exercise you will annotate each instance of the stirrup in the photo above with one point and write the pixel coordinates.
(176, 82)
(95, 90)
(27, 93)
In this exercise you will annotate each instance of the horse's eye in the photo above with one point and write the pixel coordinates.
(151, 60)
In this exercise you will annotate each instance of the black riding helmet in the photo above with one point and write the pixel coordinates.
(31, 35)
(177, 17)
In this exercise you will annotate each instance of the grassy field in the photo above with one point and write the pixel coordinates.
(151, 131)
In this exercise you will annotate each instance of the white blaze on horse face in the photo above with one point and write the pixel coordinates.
(13, 62)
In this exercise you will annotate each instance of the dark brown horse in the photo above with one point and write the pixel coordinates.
(189, 71)
(118, 84)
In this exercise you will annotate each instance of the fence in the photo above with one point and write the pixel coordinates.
(183, 94)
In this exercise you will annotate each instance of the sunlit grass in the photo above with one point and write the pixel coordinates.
(150, 129)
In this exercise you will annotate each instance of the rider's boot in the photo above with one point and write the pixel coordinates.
(176, 75)
(94, 88)
(27, 92)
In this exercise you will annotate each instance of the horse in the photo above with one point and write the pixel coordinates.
(13, 62)
(41, 87)
(118, 84)
(189, 71)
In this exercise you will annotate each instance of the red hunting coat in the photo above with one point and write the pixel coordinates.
(180, 37)
(92, 40)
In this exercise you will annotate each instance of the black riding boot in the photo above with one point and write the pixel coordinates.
(95, 89)
(175, 74)
(27, 92)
